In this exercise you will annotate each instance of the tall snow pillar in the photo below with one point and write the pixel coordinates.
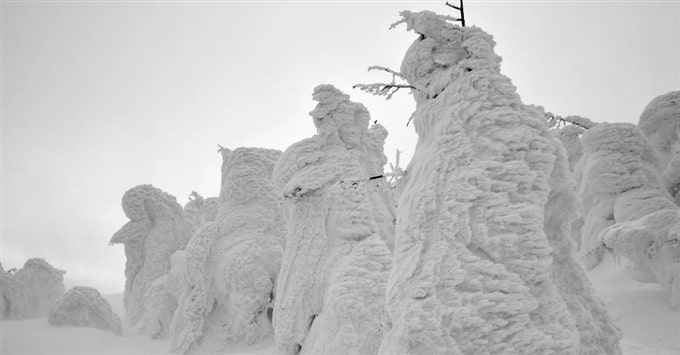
(483, 261)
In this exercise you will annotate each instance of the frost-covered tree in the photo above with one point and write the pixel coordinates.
(155, 231)
(660, 123)
(31, 289)
(6, 293)
(626, 206)
(84, 307)
(162, 297)
(483, 261)
(232, 263)
(330, 293)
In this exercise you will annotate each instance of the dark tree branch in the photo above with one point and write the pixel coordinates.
(461, 10)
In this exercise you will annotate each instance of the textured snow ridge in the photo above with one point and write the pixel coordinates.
(660, 122)
(156, 230)
(483, 258)
(83, 307)
(28, 293)
(232, 263)
(626, 207)
(199, 211)
(330, 293)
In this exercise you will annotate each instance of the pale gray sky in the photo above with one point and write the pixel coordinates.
(98, 97)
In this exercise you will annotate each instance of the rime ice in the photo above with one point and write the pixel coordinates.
(156, 230)
(483, 260)
(330, 294)
(232, 263)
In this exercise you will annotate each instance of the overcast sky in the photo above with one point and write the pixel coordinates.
(101, 96)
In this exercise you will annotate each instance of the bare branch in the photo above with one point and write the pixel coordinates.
(382, 89)
(558, 121)
(394, 73)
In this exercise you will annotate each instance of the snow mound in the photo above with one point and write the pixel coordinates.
(84, 307)
(483, 257)
(156, 230)
(232, 263)
(330, 293)
(28, 293)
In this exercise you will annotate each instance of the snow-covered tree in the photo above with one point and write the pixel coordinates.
(28, 293)
(155, 231)
(84, 307)
(233, 262)
(483, 261)
(660, 123)
(330, 293)
(626, 206)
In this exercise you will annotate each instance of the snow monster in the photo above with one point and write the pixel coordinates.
(483, 260)
(155, 231)
(627, 209)
(660, 123)
(231, 264)
(330, 293)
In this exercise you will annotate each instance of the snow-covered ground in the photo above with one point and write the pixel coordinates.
(640, 309)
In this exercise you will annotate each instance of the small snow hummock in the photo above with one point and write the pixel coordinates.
(483, 256)
(84, 307)
(330, 292)
(155, 231)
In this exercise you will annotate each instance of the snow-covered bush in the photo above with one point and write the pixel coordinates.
(626, 207)
(483, 261)
(330, 293)
(233, 262)
(156, 230)
(83, 307)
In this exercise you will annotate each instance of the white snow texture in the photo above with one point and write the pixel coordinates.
(330, 293)
(84, 307)
(483, 258)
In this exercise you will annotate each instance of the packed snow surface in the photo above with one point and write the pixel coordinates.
(638, 308)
